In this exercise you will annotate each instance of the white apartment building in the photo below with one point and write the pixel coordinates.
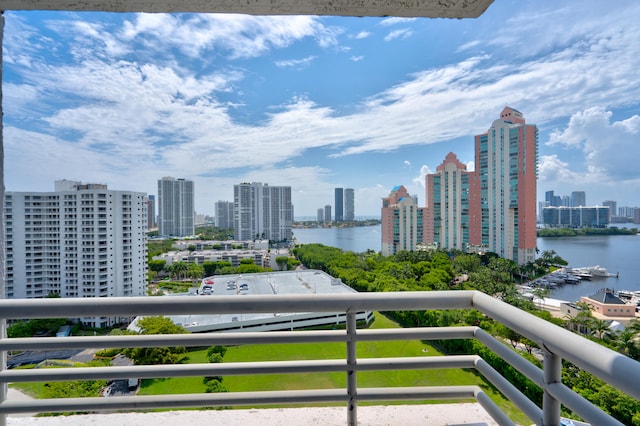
(262, 212)
(82, 240)
(176, 207)
(224, 214)
(349, 205)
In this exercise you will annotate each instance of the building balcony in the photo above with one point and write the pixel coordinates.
(557, 344)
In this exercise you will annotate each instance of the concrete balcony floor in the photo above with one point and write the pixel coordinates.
(467, 414)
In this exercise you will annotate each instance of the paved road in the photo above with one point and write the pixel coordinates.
(35, 357)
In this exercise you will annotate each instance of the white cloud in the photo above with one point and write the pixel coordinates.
(606, 144)
(401, 34)
(420, 180)
(395, 20)
(295, 63)
(407, 163)
(167, 112)
(468, 45)
(356, 58)
(362, 34)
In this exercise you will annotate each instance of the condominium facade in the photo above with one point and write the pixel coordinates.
(327, 213)
(576, 217)
(224, 214)
(262, 212)
(402, 222)
(494, 207)
(349, 205)
(339, 204)
(176, 207)
(449, 193)
(506, 168)
(578, 198)
(82, 240)
(151, 211)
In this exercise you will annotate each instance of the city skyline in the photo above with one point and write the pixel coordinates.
(318, 102)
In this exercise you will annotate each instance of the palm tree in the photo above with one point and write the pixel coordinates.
(541, 293)
(625, 342)
(179, 269)
(599, 327)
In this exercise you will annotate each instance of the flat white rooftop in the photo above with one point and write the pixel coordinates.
(307, 281)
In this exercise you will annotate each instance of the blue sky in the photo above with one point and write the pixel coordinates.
(319, 102)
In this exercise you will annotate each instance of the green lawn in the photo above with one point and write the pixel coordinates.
(279, 352)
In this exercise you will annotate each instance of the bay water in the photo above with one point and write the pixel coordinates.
(619, 254)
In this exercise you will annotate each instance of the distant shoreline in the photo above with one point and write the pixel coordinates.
(579, 232)
(333, 224)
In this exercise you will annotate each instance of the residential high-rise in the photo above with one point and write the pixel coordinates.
(448, 198)
(327, 213)
(506, 169)
(576, 217)
(402, 222)
(320, 216)
(262, 212)
(82, 240)
(339, 204)
(494, 207)
(613, 207)
(176, 212)
(224, 214)
(552, 200)
(578, 199)
(349, 205)
(151, 211)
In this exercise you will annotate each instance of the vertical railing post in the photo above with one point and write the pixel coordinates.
(3, 294)
(3, 366)
(352, 389)
(552, 374)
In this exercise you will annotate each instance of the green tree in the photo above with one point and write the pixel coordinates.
(156, 355)
(179, 270)
(282, 262)
(195, 271)
(210, 268)
(157, 265)
(599, 327)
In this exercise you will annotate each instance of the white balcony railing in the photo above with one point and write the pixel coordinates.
(618, 370)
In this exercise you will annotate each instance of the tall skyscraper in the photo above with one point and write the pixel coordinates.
(349, 205)
(327, 213)
(176, 212)
(552, 199)
(402, 222)
(262, 212)
(506, 168)
(613, 207)
(339, 204)
(448, 199)
(578, 199)
(82, 240)
(320, 215)
(151, 211)
(224, 214)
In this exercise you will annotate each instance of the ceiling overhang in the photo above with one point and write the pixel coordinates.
(403, 8)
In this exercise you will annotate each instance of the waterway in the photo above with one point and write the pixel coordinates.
(617, 253)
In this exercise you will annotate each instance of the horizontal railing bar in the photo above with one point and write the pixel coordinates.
(174, 305)
(529, 370)
(581, 406)
(614, 368)
(530, 409)
(232, 398)
(233, 369)
(211, 339)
